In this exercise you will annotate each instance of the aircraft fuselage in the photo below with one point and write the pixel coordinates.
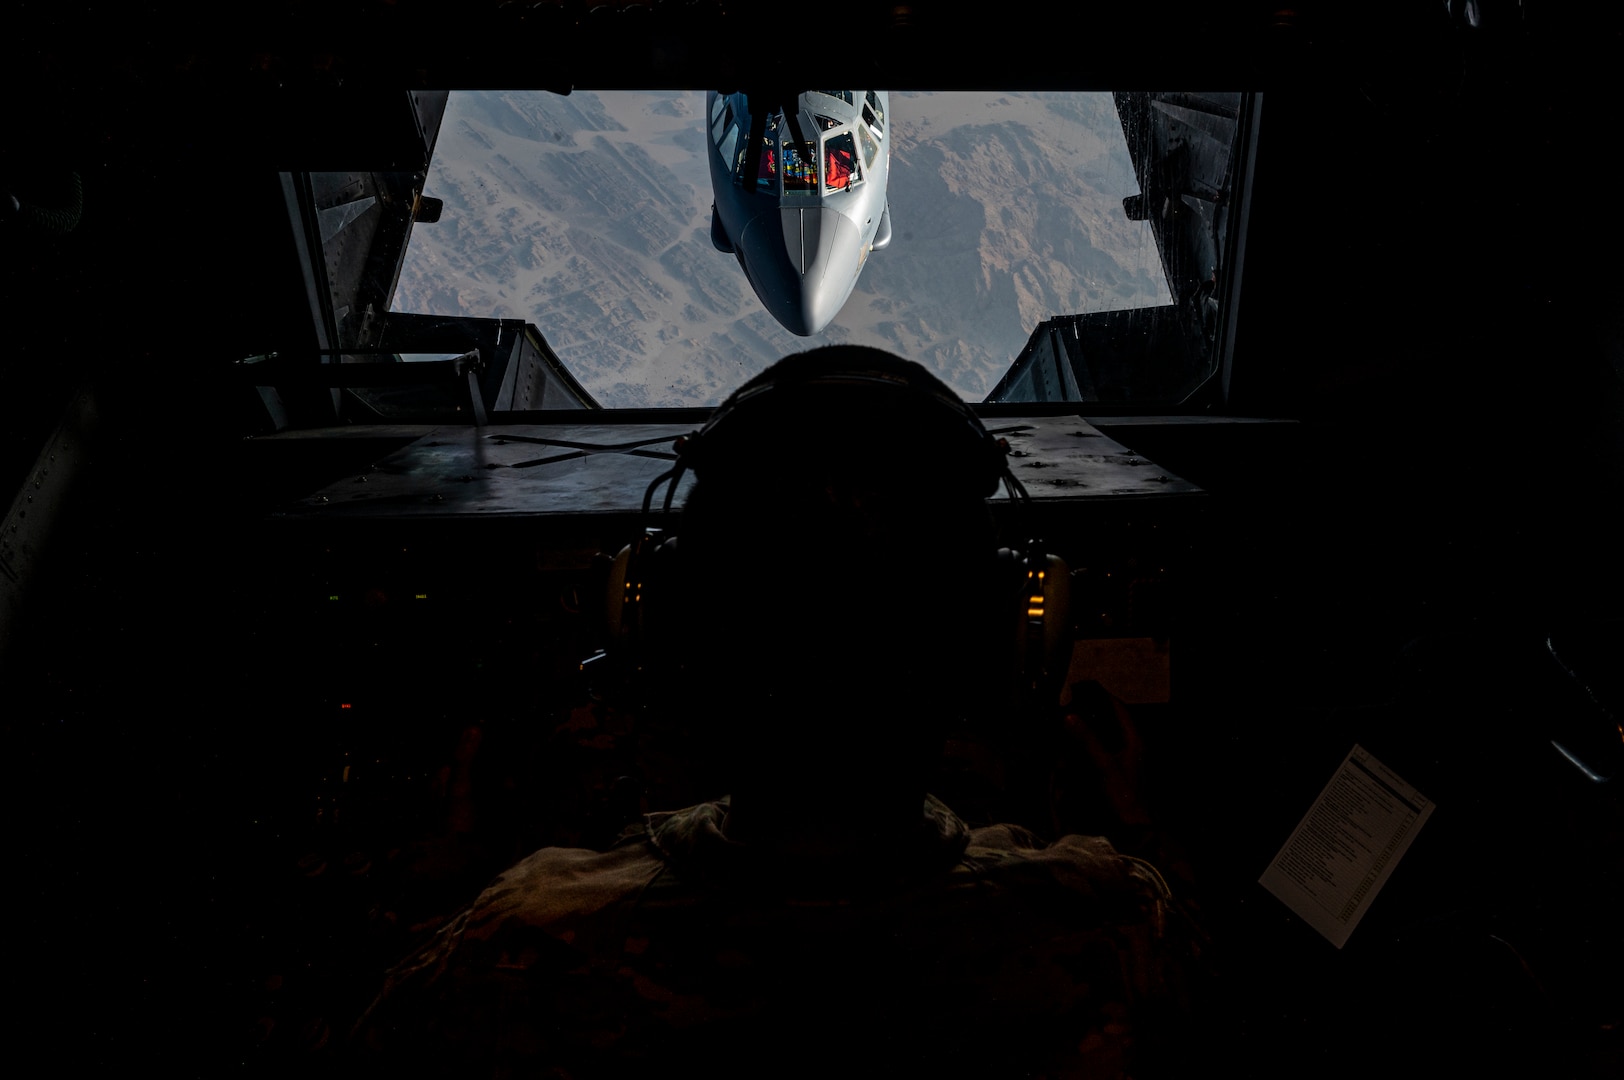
(799, 188)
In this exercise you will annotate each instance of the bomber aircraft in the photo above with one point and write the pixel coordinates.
(798, 183)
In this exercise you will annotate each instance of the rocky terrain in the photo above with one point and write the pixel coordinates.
(589, 216)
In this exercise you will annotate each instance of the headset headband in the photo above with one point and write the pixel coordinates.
(854, 373)
(854, 377)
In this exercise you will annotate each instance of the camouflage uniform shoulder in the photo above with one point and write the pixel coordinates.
(1003, 956)
(1086, 865)
(536, 934)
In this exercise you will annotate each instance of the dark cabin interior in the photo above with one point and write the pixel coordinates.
(234, 803)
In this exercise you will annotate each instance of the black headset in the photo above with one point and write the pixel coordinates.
(1038, 583)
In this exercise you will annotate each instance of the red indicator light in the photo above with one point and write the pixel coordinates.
(345, 705)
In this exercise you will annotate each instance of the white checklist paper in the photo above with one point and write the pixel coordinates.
(1342, 852)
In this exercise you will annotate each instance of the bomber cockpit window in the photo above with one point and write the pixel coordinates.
(766, 178)
(870, 146)
(840, 162)
(841, 95)
(800, 167)
(874, 113)
(721, 117)
(767, 170)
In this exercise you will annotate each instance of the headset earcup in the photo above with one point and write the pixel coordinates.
(1041, 617)
(1056, 617)
(1013, 622)
(660, 597)
(619, 615)
(640, 578)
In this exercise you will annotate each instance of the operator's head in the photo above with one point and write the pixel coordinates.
(839, 567)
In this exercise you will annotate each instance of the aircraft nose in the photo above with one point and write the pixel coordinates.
(807, 270)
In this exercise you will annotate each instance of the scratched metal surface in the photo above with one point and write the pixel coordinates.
(1058, 457)
(537, 469)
